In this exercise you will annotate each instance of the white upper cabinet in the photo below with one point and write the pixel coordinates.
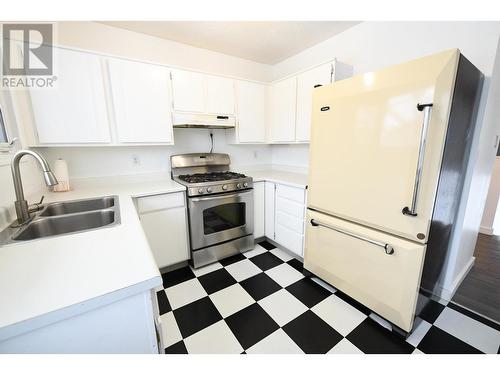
(74, 111)
(202, 93)
(306, 82)
(141, 102)
(220, 95)
(251, 112)
(282, 105)
(189, 91)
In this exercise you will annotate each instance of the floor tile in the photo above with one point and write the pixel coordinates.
(170, 330)
(417, 351)
(420, 329)
(177, 276)
(251, 325)
(371, 338)
(473, 315)
(184, 293)
(231, 299)
(243, 269)
(277, 342)
(351, 301)
(345, 347)
(308, 292)
(297, 264)
(207, 269)
(217, 280)
(196, 316)
(474, 333)
(215, 339)
(339, 314)
(266, 261)
(284, 256)
(232, 259)
(267, 245)
(312, 334)
(284, 274)
(437, 341)
(260, 286)
(324, 284)
(431, 311)
(178, 348)
(256, 251)
(163, 304)
(282, 306)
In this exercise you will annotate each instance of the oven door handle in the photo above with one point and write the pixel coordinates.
(215, 197)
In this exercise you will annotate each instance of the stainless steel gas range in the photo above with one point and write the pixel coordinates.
(220, 206)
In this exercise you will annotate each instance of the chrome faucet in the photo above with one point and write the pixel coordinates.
(22, 207)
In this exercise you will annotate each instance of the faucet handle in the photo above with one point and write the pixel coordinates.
(34, 207)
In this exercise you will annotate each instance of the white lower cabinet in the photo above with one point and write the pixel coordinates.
(259, 209)
(270, 188)
(284, 218)
(125, 326)
(164, 221)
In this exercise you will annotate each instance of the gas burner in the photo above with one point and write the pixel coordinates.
(210, 176)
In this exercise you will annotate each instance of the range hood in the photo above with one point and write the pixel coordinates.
(203, 120)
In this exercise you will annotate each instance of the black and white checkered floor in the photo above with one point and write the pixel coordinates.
(259, 302)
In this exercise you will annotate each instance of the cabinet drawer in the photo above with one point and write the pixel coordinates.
(387, 284)
(289, 207)
(292, 193)
(290, 222)
(160, 202)
(291, 240)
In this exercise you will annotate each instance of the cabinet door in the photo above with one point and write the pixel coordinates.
(141, 101)
(269, 210)
(282, 110)
(166, 231)
(251, 105)
(189, 91)
(259, 209)
(289, 217)
(220, 95)
(74, 111)
(321, 75)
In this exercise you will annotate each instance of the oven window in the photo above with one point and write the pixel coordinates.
(223, 217)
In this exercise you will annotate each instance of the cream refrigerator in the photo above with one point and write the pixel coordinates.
(388, 155)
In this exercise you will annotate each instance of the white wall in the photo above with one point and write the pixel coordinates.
(490, 207)
(106, 161)
(372, 45)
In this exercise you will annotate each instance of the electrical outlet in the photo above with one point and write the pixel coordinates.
(136, 160)
(255, 154)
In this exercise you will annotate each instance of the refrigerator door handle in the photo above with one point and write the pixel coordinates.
(426, 108)
(389, 250)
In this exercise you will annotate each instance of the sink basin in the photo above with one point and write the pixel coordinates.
(64, 208)
(53, 226)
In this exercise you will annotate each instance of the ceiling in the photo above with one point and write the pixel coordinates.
(263, 42)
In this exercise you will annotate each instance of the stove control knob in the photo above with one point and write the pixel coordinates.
(200, 190)
(238, 185)
(209, 189)
(245, 184)
(224, 187)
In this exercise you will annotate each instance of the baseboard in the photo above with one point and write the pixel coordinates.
(447, 294)
(486, 230)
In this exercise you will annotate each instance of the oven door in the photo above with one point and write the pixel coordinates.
(220, 218)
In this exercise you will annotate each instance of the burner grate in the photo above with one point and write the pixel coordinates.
(211, 176)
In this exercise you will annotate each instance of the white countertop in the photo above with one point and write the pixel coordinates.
(44, 276)
(46, 280)
(278, 176)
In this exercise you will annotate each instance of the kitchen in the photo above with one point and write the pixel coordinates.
(196, 180)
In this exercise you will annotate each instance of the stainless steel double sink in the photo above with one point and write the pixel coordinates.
(60, 218)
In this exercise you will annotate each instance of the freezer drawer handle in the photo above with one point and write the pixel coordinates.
(426, 108)
(389, 250)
